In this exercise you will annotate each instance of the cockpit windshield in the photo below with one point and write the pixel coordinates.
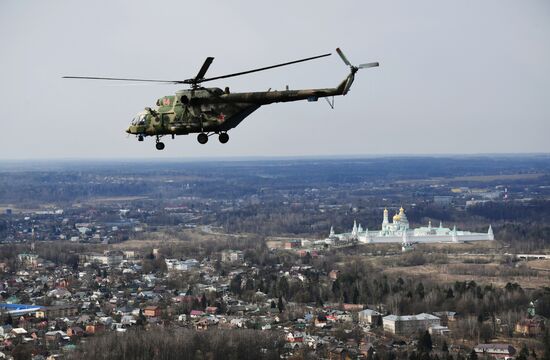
(139, 120)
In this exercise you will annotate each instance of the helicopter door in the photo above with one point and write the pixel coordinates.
(165, 120)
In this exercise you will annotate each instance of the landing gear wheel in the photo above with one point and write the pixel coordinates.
(159, 145)
(202, 138)
(140, 138)
(224, 137)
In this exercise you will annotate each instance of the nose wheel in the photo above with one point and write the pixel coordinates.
(159, 145)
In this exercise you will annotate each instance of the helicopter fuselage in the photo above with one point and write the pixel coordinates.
(212, 110)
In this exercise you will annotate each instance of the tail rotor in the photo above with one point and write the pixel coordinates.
(353, 69)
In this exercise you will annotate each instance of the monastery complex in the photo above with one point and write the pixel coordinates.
(398, 231)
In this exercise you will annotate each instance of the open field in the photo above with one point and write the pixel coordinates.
(156, 239)
(111, 199)
(141, 244)
(440, 273)
(540, 265)
(478, 178)
(13, 208)
(18, 209)
(473, 246)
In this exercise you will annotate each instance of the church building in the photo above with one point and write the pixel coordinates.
(398, 231)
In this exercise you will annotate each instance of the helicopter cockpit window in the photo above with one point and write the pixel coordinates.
(139, 120)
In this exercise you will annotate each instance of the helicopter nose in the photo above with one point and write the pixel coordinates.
(129, 130)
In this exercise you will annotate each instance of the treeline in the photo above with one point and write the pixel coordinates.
(524, 236)
(31, 188)
(487, 270)
(181, 344)
(531, 211)
(523, 225)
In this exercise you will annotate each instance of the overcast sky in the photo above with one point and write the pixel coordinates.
(455, 76)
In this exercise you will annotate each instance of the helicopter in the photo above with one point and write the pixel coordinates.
(210, 111)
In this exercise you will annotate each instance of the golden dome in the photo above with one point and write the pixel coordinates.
(385, 211)
(401, 211)
(396, 217)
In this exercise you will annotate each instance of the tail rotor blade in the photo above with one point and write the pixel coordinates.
(368, 65)
(344, 59)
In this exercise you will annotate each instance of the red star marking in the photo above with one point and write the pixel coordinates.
(221, 117)
(166, 101)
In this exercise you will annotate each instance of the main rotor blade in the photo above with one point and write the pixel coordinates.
(120, 79)
(368, 65)
(344, 58)
(204, 68)
(198, 79)
(261, 69)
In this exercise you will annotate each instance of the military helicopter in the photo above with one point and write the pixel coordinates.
(209, 111)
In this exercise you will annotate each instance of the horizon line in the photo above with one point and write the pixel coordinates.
(274, 157)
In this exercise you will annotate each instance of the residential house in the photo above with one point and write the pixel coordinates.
(530, 327)
(364, 348)
(344, 317)
(341, 353)
(18, 332)
(75, 331)
(205, 323)
(151, 311)
(320, 321)
(333, 274)
(370, 317)
(54, 336)
(439, 330)
(127, 320)
(238, 322)
(5, 330)
(211, 310)
(57, 311)
(196, 313)
(232, 256)
(94, 328)
(446, 316)
(353, 307)
(499, 351)
(293, 244)
(296, 337)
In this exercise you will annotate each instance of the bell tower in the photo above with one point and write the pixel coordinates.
(385, 221)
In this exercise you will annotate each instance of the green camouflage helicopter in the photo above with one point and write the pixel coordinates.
(209, 111)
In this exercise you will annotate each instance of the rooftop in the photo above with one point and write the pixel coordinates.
(422, 316)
